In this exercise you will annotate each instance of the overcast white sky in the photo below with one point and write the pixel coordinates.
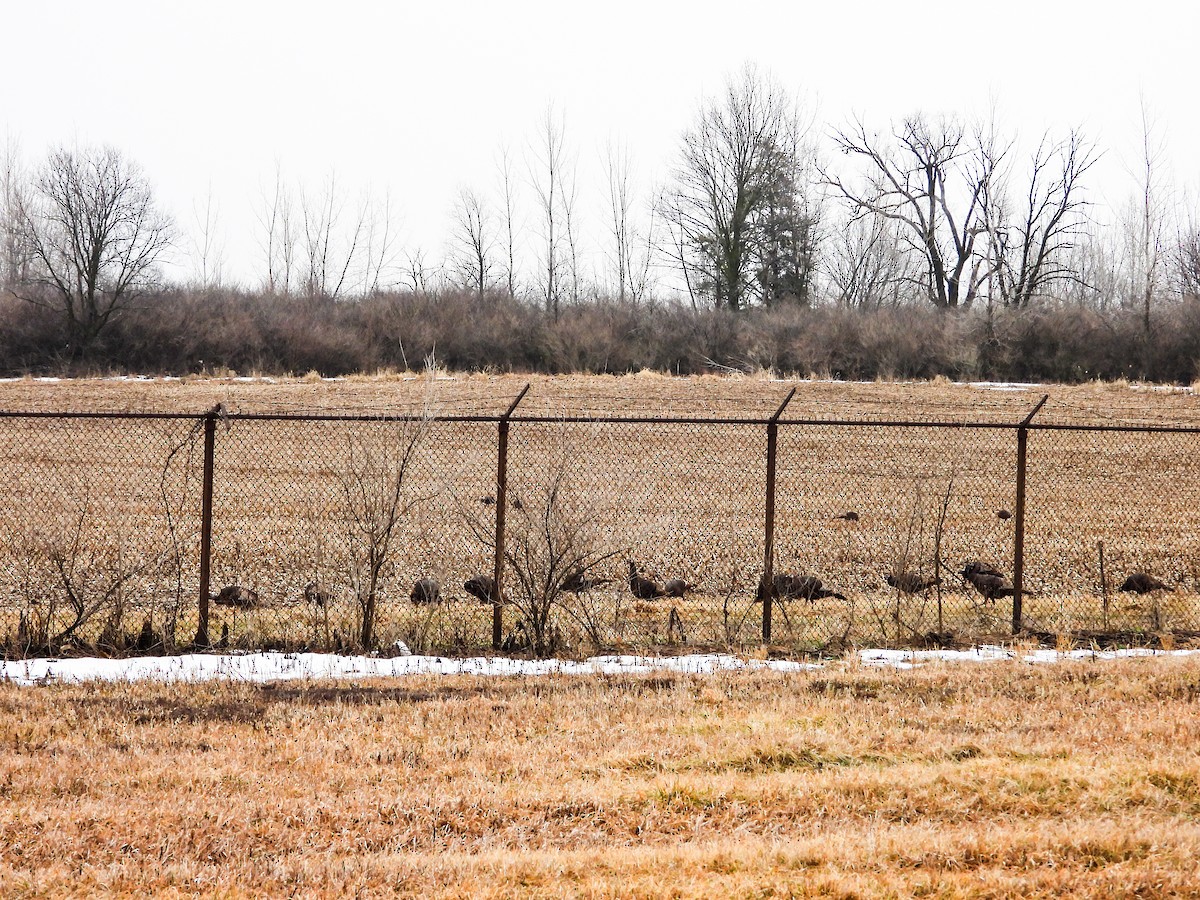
(416, 98)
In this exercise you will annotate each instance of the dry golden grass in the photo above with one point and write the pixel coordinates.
(1078, 779)
(683, 501)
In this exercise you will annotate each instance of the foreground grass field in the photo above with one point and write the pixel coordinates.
(1078, 779)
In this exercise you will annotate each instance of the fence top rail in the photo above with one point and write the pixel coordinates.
(602, 420)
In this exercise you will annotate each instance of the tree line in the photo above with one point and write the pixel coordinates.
(766, 220)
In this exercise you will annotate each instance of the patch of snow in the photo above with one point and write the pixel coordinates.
(908, 659)
(267, 667)
(1162, 388)
(263, 667)
(1003, 385)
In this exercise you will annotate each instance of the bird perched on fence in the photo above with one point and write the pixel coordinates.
(988, 580)
(1141, 583)
(426, 590)
(236, 596)
(480, 587)
(317, 595)
(800, 587)
(911, 582)
(578, 581)
(641, 587)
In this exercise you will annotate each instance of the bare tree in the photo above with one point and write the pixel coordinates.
(1032, 244)
(546, 172)
(933, 182)
(570, 203)
(508, 210)
(736, 168)
(866, 264)
(379, 249)
(1145, 220)
(473, 241)
(1185, 256)
(632, 249)
(331, 249)
(15, 260)
(279, 239)
(95, 236)
(415, 274)
(207, 248)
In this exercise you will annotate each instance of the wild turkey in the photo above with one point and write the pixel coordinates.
(850, 516)
(912, 583)
(236, 596)
(1003, 514)
(147, 640)
(802, 587)
(641, 587)
(578, 582)
(317, 595)
(988, 580)
(1141, 583)
(480, 587)
(426, 590)
(676, 587)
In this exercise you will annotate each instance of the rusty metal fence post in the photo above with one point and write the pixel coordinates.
(1019, 533)
(210, 440)
(501, 507)
(767, 586)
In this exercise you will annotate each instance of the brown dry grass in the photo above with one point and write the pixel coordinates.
(683, 501)
(951, 781)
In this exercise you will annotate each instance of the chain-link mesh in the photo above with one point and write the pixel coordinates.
(1131, 495)
(678, 506)
(886, 517)
(98, 533)
(344, 533)
(330, 525)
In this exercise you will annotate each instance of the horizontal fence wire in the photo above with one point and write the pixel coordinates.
(383, 532)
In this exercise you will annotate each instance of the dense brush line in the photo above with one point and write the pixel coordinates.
(180, 331)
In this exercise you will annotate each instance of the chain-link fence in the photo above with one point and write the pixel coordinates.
(131, 533)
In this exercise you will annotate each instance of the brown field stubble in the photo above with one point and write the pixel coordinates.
(1077, 779)
(683, 501)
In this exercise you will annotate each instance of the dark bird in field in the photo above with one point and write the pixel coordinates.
(236, 596)
(578, 581)
(147, 640)
(1003, 514)
(426, 590)
(850, 516)
(911, 582)
(988, 580)
(480, 587)
(802, 587)
(489, 500)
(1141, 583)
(641, 587)
(317, 595)
(676, 587)
(517, 504)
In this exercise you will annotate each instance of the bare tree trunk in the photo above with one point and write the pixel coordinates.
(546, 175)
(507, 191)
